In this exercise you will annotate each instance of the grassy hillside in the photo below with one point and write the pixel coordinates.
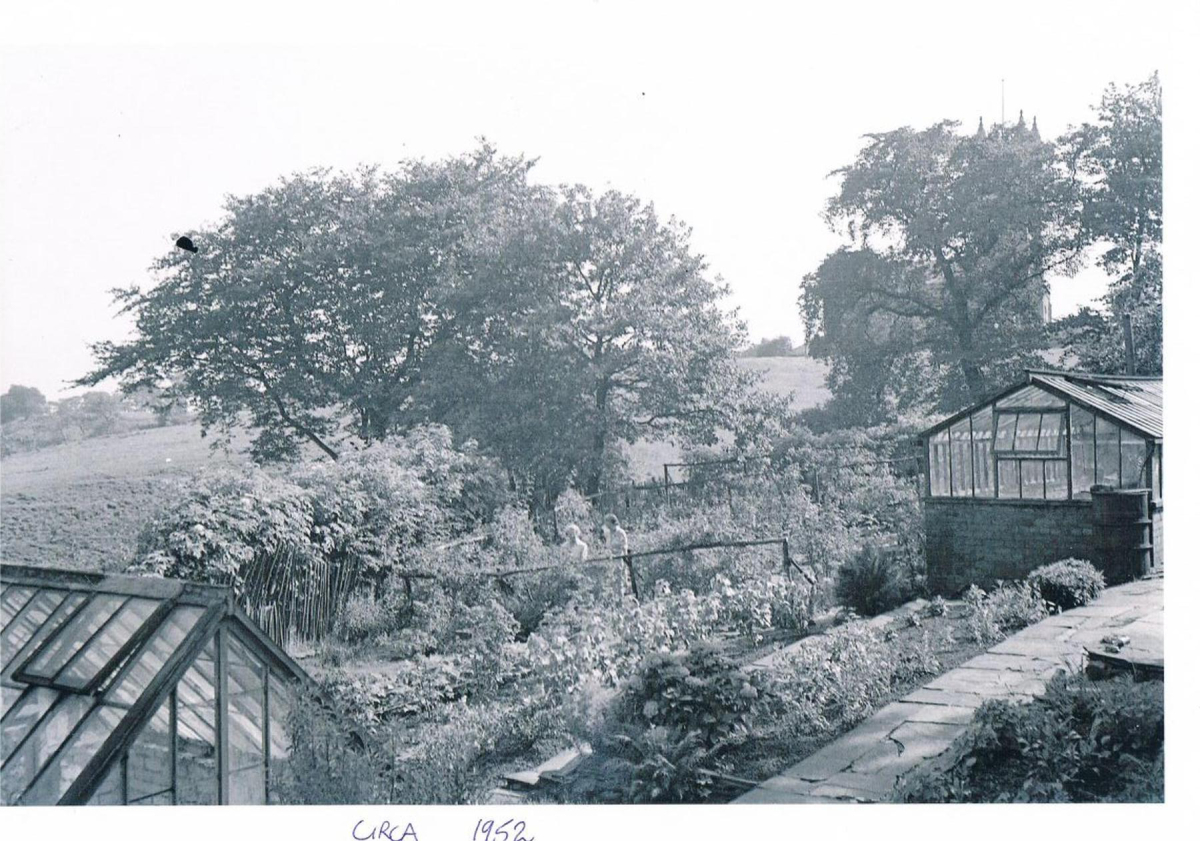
(81, 504)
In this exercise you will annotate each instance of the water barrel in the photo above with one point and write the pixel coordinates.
(1123, 531)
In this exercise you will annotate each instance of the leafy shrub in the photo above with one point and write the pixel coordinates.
(701, 692)
(1067, 584)
(871, 582)
(1009, 607)
(1080, 742)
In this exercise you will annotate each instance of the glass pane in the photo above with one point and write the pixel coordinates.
(111, 791)
(1032, 479)
(1083, 452)
(74, 635)
(13, 600)
(70, 762)
(981, 425)
(248, 786)
(1027, 433)
(1006, 425)
(64, 612)
(162, 799)
(22, 629)
(1133, 460)
(1056, 479)
(960, 458)
(45, 740)
(939, 464)
(148, 768)
(154, 654)
(279, 705)
(1030, 397)
(1108, 455)
(1050, 440)
(10, 695)
(1010, 478)
(244, 703)
(105, 645)
(25, 715)
(196, 732)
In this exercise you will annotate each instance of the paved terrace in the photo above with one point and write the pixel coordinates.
(863, 765)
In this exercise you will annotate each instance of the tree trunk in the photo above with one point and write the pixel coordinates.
(976, 383)
(599, 441)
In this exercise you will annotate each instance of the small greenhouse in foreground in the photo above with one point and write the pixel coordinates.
(1059, 465)
(129, 690)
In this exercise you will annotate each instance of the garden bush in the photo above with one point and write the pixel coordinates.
(1009, 607)
(1081, 742)
(1067, 584)
(872, 582)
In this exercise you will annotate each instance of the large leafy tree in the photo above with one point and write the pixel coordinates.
(315, 308)
(625, 339)
(1120, 159)
(938, 293)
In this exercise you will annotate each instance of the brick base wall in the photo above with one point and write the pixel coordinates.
(978, 541)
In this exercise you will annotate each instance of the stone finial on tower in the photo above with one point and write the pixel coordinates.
(1021, 121)
(1037, 135)
(980, 134)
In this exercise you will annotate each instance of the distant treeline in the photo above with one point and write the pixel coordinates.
(778, 346)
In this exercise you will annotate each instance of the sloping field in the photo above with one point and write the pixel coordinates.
(81, 504)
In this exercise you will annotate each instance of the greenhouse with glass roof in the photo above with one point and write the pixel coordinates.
(136, 690)
(1059, 465)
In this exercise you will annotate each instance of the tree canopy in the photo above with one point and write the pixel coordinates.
(21, 401)
(1120, 158)
(938, 293)
(548, 324)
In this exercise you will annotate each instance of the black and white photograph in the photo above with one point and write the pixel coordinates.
(501, 406)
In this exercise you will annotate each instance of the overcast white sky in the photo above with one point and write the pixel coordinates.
(729, 117)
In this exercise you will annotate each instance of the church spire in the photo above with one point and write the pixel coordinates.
(1021, 121)
(980, 134)
(1036, 134)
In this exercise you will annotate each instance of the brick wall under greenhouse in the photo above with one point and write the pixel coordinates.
(978, 541)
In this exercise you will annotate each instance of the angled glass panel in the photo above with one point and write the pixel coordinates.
(149, 767)
(69, 763)
(35, 613)
(24, 716)
(106, 643)
(61, 614)
(245, 705)
(10, 695)
(54, 728)
(1030, 397)
(196, 775)
(279, 706)
(1083, 452)
(162, 799)
(248, 787)
(152, 656)
(112, 791)
(1028, 425)
(1051, 438)
(13, 600)
(73, 636)
(1006, 427)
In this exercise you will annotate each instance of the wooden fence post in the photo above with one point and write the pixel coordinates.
(787, 559)
(632, 576)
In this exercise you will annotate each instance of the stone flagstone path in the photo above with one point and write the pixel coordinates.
(863, 765)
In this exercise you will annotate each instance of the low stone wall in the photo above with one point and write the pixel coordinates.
(976, 541)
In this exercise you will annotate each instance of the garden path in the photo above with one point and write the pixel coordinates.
(863, 765)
